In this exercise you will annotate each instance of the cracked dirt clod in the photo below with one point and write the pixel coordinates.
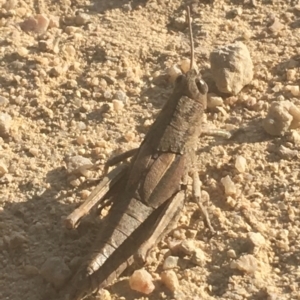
(231, 67)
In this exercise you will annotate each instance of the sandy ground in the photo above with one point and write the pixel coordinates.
(58, 88)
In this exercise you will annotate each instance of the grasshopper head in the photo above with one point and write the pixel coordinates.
(193, 86)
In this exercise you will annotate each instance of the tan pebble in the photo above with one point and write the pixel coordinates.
(170, 262)
(70, 50)
(214, 101)
(246, 263)
(170, 280)
(118, 105)
(240, 164)
(30, 270)
(187, 246)
(53, 21)
(256, 238)
(42, 23)
(276, 26)
(229, 186)
(148, 122)
(34, 151)
(81, 140)
(173, 73)
(85, 194)
(22, 51)
(295, 90)
(103, 295)
(198, 258)
(10, 4)
(185, 65)
(142, 282)
(231, 253)
(278, 119)
(82, 19)
(29, 24)
(3, 168)
(5, 124)
(291, 75)
(129, 136)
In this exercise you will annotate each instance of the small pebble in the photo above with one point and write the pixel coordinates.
(55, 271)
(257, 239)
(78, 165)
(291, 75)
(185, 65)
(85, 194)
(3, 101)
(103, 294)
(142, 282)
(231, 253)
(42, 24)
(3, 168)
(120, 95)
(230, 188)
(214, 101)
(34, 151)
(276, 26)
(240, 164)
(5, 124)
(294, 89)
(170, 262)
(30, 270)
(82, 19)
(187, 246)
(81, 140)
(246, 263)
(173, 73)
(118, 105)
(129, 136)
(198, 258)
(170, 280)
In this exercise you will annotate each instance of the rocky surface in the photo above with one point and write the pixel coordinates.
(87, 78)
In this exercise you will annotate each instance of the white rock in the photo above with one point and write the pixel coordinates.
(118, 105)
(230, 188)
(78, 165)
(231, 67)
(5, 124)
(142, 282)
(240, 164)
(170, 280)
(257, 239)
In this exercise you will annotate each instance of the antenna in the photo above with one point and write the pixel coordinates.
(191, 35)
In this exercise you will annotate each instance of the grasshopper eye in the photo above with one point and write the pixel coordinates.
(202, 86)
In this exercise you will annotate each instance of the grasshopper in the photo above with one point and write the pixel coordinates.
(150, 195)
